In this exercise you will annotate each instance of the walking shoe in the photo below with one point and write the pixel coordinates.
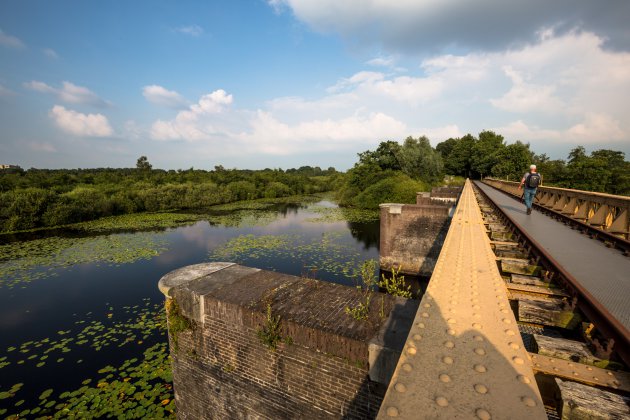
(529, 211)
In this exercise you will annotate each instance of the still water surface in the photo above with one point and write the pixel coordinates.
(59, 331)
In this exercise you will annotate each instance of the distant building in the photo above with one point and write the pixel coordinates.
(9, 166)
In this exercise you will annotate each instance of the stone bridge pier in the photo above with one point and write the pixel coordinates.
(248, 343)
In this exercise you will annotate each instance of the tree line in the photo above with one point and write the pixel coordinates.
(394, 172)
(37, 198)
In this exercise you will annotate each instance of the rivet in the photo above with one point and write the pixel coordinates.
(528, 401)
(475, 293)
(392, 411)
(400, 387)
(427, 305)
(476, 307)
(507, 321)
(417, 337)
(571, 364)
(478, 338)
(509, 332)
(481, 388)
(589, 368)
(576, 374)
(425, 314)
(483, 414)
(448, 360)
(514, 346)
(445, 378)
(524, 379)
(556, 369)
(518, 360)
(450, 331)
(412, 351)
(505, 311)
(407, 367)
(477, 325)
(501, 304)
(615, 382)
(609, 373)
(420, 325)
(480, 368)
(449, 344)
(480, 351)
(452, 321)
(441, 401)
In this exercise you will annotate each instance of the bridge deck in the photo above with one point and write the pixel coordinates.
(464, 356)
(603, 271)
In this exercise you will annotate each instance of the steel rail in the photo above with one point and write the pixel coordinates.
(606, 324)
(592, 231)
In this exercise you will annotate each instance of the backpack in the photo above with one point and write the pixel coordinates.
(533, 180)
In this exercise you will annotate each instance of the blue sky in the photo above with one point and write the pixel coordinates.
(286, 83)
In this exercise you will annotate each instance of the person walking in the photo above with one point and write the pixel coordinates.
(531, 180)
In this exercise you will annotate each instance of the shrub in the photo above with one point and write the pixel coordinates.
(395, 189)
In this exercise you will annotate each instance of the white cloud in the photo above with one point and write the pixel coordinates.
(193, 123)
(79, 124)
(10, 41)
(382, 62)
(69, 93)
(161, 96)
(192, 30)
(527, 97)
(50, 53)
(551, 92)
(42, 147)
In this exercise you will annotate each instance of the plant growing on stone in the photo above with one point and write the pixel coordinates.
(269, 334)
(177, 323)
(361, 310)
(396, 284)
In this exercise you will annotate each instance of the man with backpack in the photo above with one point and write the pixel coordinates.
(531, 180)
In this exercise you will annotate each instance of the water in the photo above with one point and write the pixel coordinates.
(108, 314)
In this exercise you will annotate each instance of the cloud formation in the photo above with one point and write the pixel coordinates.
(6, 91)
(10, 41)
(159, 95)
(50, 53)
(551, 90)
(79, 124)
(69, 93)
(411, 25)
(191, 30)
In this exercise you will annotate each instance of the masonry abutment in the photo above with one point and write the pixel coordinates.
(325, 365)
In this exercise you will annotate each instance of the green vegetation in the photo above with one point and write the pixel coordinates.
(139, 388)
(177, 323)
(47, 198)
(391, 173)
(394, 172)
(468, 156)
(367, 276)
(395, 285)
(269, 334)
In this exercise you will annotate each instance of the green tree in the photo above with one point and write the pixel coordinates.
(419, 160)
(485, 152)
(513, 161)
(459, 161)
(143, 164)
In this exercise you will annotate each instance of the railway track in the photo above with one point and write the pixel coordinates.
(579, 351)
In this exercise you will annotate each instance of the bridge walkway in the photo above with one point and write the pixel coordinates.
(603, 271)
(464, 356)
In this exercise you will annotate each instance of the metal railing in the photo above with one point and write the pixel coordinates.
(605, 212)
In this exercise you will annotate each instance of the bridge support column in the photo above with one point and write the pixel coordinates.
(248, 343)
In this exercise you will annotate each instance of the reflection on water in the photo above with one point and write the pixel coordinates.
(55, 309)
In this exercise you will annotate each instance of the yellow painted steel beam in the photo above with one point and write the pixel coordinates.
(464, 357)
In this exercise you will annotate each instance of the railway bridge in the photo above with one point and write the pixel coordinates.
(524, 317)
